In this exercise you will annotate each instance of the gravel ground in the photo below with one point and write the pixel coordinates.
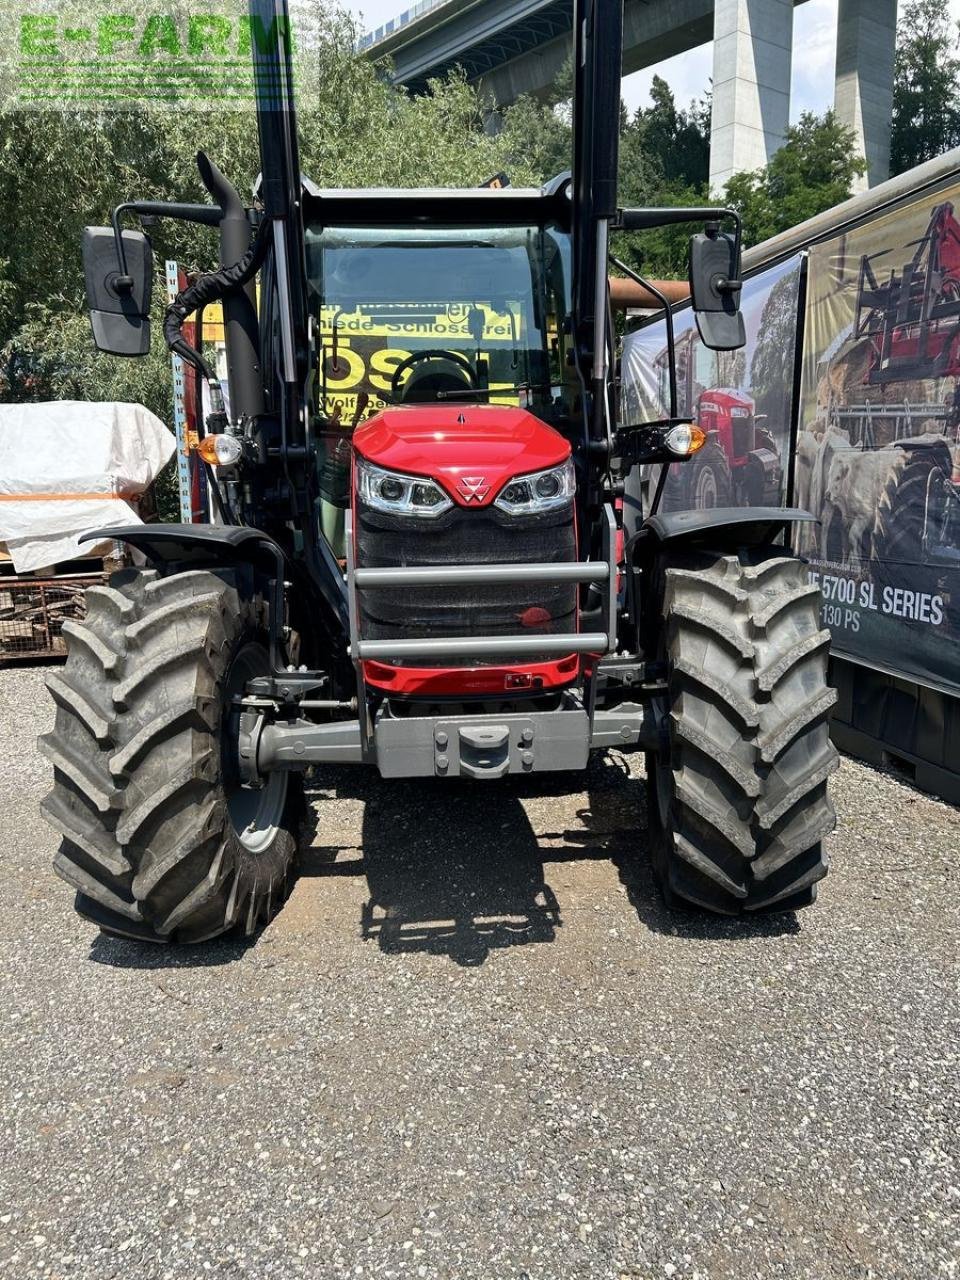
(474, 1045)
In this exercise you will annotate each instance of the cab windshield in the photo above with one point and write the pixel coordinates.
(433, 315)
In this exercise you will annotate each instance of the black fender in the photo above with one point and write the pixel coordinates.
(192, 545)
(722, 528)
(171, 547)
(718, 531)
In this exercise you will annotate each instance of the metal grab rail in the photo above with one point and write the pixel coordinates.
(482, 646)
(540, 645)
(456, 575)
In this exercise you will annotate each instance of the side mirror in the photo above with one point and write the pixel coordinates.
(118, 294)
(715, 286)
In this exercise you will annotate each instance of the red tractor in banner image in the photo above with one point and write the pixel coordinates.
(913, 319)
(740, 463)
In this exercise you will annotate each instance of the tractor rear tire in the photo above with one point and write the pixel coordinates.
(160, 840)
(737, 793)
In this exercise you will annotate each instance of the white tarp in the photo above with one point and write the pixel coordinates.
(66, 468)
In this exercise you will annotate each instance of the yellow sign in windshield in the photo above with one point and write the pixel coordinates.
(362, 349)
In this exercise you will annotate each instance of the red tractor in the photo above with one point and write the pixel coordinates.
(505, 604)
(913, 319)
(739, 465)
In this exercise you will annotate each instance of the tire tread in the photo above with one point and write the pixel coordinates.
(146, 838)
(750, 751)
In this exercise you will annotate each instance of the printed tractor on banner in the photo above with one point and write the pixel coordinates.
(740, 464)
(911, 319)
(882, 459)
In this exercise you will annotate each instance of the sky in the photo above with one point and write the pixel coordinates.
(688, 74)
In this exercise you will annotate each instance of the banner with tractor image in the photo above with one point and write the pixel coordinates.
(877, 450)
(742, 399)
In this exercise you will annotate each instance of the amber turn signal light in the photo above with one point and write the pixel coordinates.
(220, 451)
(685, 439)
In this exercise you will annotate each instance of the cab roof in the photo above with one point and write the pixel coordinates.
(439, 206)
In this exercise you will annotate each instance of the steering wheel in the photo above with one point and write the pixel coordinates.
(434, 353)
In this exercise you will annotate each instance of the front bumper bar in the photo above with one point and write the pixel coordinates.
(514, 647)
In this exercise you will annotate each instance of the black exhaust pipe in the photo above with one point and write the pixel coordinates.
(241, 327)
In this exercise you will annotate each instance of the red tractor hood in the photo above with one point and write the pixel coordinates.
(728, 398)
(472, 451)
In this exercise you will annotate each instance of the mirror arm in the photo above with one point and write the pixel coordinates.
(208, 215)
(645, 219)
(648, 219)
(668, 316)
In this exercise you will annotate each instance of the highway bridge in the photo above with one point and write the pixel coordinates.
(512, 47)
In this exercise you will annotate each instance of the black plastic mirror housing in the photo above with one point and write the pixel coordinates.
(715, 289)
(119, 302)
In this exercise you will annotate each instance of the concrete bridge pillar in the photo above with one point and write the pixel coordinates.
(866, 40)
(752, 44)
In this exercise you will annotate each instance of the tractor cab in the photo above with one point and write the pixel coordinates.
(415, 314)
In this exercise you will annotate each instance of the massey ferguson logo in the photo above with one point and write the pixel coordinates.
(473, 488)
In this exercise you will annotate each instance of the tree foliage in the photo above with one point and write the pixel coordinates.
(926, 87)
(812, 171)
(664, 160)
(676, 140)
(60, 170)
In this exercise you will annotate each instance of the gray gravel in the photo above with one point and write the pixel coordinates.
(474, 1045)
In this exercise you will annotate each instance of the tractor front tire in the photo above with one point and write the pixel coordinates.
(701, 483)
(160, 840)
(737, 793)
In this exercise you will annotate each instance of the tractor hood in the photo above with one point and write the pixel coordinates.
(471, 450)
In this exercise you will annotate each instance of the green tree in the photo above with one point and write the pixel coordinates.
(62, 169)
(926, 87)
(664, 160)
(677, 142)
(812, 171)
(771, 368)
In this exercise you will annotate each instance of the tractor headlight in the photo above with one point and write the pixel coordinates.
(397, 494)
(541, 491)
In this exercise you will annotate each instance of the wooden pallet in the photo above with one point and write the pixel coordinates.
(33, 611)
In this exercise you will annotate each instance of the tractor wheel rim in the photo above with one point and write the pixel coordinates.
(255, 815)
(706, 489)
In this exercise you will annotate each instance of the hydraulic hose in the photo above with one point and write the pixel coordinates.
(206, 289)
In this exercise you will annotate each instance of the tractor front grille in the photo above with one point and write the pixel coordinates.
(742, 437)
(463, 537)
